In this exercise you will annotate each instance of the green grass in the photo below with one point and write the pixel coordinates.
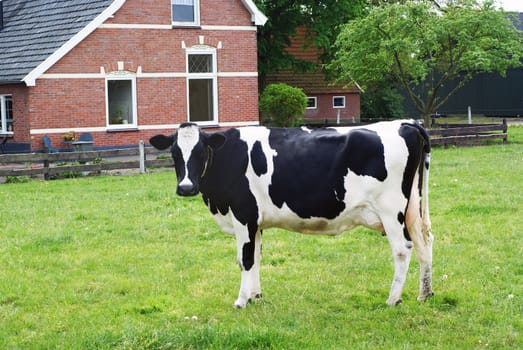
(122, 263)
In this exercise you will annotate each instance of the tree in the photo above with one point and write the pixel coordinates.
(322, 19)
(282, 105)
(423, 47)
(381, 101)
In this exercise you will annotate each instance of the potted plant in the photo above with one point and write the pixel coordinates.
(69, 136)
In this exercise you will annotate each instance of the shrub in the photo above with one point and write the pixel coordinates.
(282, 105)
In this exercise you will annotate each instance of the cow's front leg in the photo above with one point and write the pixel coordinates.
(248, 241)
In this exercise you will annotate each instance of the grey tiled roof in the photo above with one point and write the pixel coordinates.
(35, 29)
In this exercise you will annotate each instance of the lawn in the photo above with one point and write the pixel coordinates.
(121, 262)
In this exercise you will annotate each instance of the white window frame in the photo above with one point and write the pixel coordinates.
(338, 97)
(311, 98)
(121, 75)
(203, 50)
(3, 115)
(196, 16)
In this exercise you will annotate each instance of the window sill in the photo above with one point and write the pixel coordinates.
(207, 126)
(131, 128)
(186, 26)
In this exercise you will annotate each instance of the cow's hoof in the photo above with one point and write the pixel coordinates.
(241, 304)
(426, 296)
(394, 302)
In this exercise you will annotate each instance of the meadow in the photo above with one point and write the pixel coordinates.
(121, 262)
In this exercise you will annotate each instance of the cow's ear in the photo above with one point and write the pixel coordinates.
(161, 142)
(216, 140)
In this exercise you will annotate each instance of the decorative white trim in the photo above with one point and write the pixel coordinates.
(170, 27)
(257, 17)
(162, 75)
(140, 74)
(140, 127)
(65, 130)
(239, 124)
(237, 74)
(230, 28)
(30, 79)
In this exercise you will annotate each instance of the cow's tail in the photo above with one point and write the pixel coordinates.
(424, 169)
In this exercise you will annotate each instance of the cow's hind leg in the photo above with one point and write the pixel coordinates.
(401, 253)
(423, 239)
(248, 240)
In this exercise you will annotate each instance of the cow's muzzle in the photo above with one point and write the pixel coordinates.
(187, 190)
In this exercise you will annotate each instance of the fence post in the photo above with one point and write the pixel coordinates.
(141, 147)
(47, 165)
(504, 130)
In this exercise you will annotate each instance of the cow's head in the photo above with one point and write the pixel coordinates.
(191, 151)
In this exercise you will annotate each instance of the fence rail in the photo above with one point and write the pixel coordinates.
(461, 134)
(49, 164)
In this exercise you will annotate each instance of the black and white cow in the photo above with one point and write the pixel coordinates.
(322, 181)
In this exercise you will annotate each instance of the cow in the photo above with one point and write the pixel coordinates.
(314, 181)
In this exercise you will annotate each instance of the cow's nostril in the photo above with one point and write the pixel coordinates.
(187, 190)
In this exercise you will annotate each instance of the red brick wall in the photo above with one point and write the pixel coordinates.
(325, 110)
(212, 12)
(80, 103)
(20, 111)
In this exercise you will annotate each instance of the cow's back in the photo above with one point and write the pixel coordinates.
(322, 180)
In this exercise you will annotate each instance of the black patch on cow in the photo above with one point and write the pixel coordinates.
(406, 233)
(258, 159)
(225, 187)
(415, 144)
(249, 247)
(309, 168)
(401, 218)
(366, 154)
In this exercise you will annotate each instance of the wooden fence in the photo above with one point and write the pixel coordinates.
(465, 134)
(54, 164)
(440, 134)
(51, 164)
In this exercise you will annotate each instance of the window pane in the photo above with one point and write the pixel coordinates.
(8, 106)
(311, 102)
(201, 100)
(120, 94)
(183, 10)
(338, 101)
(200, 64)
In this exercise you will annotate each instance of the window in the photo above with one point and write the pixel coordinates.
(185, 12)
(121, 101)
(202, 85)
(338, 102)
(6, 114)
(312, 103)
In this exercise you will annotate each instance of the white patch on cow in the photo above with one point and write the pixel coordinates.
(225, 222)
(188, 137)
(259, 185)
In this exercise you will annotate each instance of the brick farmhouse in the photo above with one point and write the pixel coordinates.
(123, 70)
(326, 101)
